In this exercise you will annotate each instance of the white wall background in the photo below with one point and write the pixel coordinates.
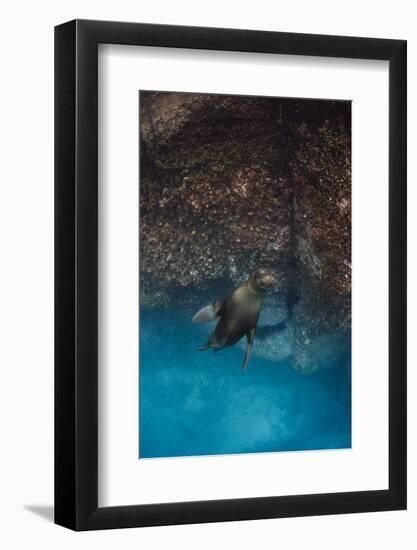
(26, 289)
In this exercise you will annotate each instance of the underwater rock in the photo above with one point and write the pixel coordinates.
(231, 183)
(290, 342)
(276, 346)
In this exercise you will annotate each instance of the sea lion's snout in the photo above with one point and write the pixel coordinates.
(269, 280)
(265, 278)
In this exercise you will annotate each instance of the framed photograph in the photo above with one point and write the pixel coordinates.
(230, 252)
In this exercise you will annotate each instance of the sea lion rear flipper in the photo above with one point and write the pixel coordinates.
(209, 313)
(250, 337)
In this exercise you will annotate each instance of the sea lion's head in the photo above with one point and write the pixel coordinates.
(264, 278)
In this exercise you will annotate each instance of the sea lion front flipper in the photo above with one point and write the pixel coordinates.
(250, 337)
(203, 348)
(205, 315)
(209, 313)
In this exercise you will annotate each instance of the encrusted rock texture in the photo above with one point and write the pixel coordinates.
(231, 183)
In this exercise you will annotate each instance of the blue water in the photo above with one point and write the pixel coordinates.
(199, 403)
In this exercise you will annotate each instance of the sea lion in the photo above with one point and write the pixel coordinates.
(239, 313)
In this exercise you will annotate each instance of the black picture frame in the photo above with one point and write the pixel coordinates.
(76, 271)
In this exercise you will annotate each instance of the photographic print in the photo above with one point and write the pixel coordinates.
(245, 274)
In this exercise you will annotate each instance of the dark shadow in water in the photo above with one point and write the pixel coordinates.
(45, 512)
(266, 331)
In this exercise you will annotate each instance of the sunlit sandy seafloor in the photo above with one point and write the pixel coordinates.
(199, 403)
